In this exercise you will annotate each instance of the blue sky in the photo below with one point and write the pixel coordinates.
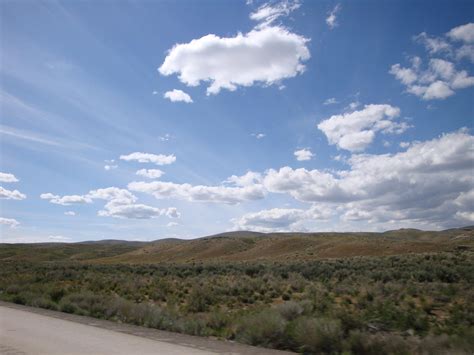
(146, 120)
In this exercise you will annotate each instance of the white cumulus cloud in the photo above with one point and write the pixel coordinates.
(429, 182)
(354, 131)
(463, 33)
(178, 96)
(280, 219)
(303, 154)
(121, 203)
(7, 177)
(439, 78)
(267, 55)
(246, 188)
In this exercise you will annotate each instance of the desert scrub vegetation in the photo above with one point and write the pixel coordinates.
(410, 304)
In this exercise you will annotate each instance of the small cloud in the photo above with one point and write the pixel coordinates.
(178, 96)
(58, 238)
(166, 137)
(6, 194)
(259, 135)
(6, 177)
(9, 222)
(154, 93)
(353, 105)
(172, 224)
(70, 213)
(269, 13)
(386, 144)
(158, 159)
(330, 101)
(303, 154)
(150, 173)
(110, 167)
(340, 158)
(404, 144)
(331, 20)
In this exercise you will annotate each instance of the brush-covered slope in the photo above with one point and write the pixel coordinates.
(246, 246)
(67, 251)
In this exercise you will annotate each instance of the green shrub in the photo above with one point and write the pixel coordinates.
(265, 328)
(368, 344)
(317, 335)
(290, 310)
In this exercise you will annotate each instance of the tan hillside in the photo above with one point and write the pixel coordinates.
(295, 246)
(246, 246)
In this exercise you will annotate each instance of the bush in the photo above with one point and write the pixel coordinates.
(290, 310)
(200, 299)
(265, 328)
(318, 335)
(369, 344)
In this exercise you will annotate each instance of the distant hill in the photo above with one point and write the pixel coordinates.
(247, 246)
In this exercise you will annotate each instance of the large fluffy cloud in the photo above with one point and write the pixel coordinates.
(203, 193)
(158, 159)
(265, 55)
(246, 188)
(136, 211)
(354, 131)
(425, 182)
(280, 219)
(463, 33)
(429, 183)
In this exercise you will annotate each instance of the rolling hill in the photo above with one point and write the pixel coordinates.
(246, 246)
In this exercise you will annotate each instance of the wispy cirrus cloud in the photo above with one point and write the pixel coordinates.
(331, 20)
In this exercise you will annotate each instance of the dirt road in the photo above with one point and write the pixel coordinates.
(25, 330)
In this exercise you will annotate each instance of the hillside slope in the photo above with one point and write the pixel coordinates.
(296, 246)
(247, 246)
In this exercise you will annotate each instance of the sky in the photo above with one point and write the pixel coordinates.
(143, 120)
